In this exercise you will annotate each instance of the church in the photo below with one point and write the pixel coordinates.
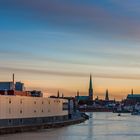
(88, 98)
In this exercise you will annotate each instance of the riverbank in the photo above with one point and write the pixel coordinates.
(27, 128)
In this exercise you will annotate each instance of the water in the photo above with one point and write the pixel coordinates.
(101, 126)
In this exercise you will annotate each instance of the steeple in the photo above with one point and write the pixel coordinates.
(132, 91)
(77, 93)
(13, 80)
(107, 96)
(90, 88)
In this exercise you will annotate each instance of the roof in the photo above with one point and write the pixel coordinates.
(82, 97)
(133, 96)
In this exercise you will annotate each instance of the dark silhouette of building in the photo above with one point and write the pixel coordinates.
(90, 89)
(132, 92)
(77, 93)
(106, 96)
(86, 99)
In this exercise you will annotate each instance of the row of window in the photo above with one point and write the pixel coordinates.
(34, 102)
(22, 111)
(10, 121)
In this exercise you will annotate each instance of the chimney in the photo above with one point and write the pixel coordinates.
(13, 81)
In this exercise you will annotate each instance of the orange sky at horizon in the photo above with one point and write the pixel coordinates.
(117, 89)
(69, 85)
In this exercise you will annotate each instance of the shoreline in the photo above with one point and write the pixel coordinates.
(29, 128)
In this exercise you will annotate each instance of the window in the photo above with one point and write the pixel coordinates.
(9, 101)
(34, 102)
(65, 106)
(21, 101)
(20, 111)
(21, 121)
(9, 121)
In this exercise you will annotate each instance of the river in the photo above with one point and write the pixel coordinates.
(100, 126)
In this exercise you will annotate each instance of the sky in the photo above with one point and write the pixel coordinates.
(54, 45)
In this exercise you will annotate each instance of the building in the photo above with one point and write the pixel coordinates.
(19, 86)
(133, 97)
(28, 111)
(36, 93)
(86, 99)
(6, 85)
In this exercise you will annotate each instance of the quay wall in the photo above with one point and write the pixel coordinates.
(44, 125)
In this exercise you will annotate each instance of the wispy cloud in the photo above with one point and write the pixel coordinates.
(71, 74)
(85, 17)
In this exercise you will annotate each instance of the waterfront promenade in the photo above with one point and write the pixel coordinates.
(100, 126)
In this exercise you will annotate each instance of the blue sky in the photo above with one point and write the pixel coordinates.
(56, 44)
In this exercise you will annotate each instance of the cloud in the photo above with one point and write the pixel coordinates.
(83, 17)
(71, 74)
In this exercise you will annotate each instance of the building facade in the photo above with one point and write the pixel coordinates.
(23, 110)
(6, 86)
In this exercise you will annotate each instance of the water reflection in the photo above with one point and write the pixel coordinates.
(101, 126)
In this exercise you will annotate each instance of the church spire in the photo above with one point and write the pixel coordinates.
(90, 81)
(107, 95)
(132, 91)
(90, 88)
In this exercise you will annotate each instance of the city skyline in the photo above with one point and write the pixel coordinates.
(55, 45)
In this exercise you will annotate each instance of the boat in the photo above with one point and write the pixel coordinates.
(119, 114)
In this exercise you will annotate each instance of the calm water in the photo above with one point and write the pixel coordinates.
(101, 126)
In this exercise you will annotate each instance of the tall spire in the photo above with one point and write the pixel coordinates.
(78, 93)
(13, 80)
(132, 91)
(90, 88)
(90, 81)
(107, 96)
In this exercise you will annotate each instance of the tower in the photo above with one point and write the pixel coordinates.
(13, 81)
(90, 89)
(106, 96)
(77, 93)
(132, 92)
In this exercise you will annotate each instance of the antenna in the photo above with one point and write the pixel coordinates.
(13, 81)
